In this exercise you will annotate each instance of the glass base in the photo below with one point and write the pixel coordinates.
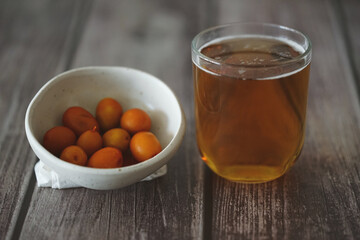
(251, 173)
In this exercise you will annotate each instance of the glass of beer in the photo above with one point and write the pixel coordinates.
(251, 87)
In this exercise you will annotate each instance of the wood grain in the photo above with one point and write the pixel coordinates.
(319, 197)
(154, 37)
(348, 14)
(31, 51)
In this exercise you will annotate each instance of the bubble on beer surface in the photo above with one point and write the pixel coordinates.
(283, 52)
(217, 51)
(259, 55)
(250, 51)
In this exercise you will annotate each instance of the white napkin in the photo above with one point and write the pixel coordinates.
(46, 177)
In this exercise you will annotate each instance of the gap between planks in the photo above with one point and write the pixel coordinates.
(341, 26)
(80, 16)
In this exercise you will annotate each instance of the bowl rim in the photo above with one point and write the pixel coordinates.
(175, 141)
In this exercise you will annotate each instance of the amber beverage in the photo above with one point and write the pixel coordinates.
(251, 89)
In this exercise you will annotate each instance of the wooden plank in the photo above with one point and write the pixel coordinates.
(33, 46)
(348, 14)
(155, 37)
(319, 198)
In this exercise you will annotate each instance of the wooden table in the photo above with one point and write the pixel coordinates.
(318, 198)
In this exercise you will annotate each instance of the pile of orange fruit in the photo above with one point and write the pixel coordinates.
(111, 139)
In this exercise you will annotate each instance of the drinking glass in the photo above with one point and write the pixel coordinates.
(251, 87)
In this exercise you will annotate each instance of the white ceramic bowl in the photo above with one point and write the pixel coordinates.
(85, 87)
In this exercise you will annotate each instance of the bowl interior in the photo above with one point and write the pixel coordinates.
(87, 86)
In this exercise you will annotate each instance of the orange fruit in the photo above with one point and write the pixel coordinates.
(108, 157)
(58, 138)
(74, 154)
(90, 141)
(144, 145)
(135, 120)
(108, 113)
(118, 138)
(79, 120)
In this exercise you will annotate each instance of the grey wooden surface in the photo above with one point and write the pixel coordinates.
(318, 198)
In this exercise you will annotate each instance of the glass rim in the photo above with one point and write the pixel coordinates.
(301, 56)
